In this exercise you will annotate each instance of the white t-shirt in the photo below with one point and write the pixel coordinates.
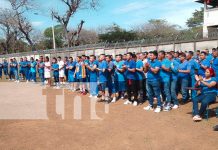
(61, 64)
(47, 64)
(145, 62)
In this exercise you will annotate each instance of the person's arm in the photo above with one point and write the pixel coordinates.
(184, 71)
(165, 68)
(155, 70)
(209, 85)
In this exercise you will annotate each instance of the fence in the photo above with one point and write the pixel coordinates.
(173, 42)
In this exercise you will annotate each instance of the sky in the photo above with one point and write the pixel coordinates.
(125, 13)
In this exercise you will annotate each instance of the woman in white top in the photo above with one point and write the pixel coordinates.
(47, 70)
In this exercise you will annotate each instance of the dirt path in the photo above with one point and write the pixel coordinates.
(24, 125)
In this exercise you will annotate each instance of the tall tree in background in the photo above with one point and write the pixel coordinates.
(58, 37)
(197, 19)
(115, 33)
(73, 6)
(22, 23)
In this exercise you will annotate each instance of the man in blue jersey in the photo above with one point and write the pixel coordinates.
(209, 56)
(93, 76)
(21, 69)
(153, 82)
(214, 62)
(1, 68)
(119, 78)
(5, 68)
(184, 76)
(26, 66)
(130, 67)
(193, 67)
(32, 70)
(110, 81)
(102, 74)
(71, 70)
(165, 80)
(41, 66)
(174, 66)
(16, 74)
(11, 71)
(140, 78)
(204, 64)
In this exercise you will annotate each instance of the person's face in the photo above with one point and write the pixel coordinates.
(188, 56)
(21, 59)
(198, 53)
(107, 59)
(141, 56)
(169, 56)
(91, 59)
(128, 57)
(118, 58)
(53, 61)
(207, 73)
(71, 59)
(215, 53)
(124, 57)
(160, 56)
(78, 59)
(182, 58)
(41, 59)
(176, 55)
(151, 56)
(202, 56)
(25, 59)
(59, 59)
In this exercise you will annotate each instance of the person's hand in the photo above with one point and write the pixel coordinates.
(147, 65)
(197, 78)
(200, 78)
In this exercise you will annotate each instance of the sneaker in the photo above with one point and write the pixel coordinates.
(167, 108)
(114, 100)
(149, 107)
(127, 102)
(95, 97)
(27, 81)
(9, 80)
(90, 96)
(215, 128)
(157, 110)
(135, 103)
(175, 107)
(197, 118)
(122, 97)
(18, 81)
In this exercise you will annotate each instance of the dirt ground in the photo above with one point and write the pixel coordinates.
(24, 125)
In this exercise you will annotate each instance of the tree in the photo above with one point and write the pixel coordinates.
(73, 6)
(197, 19)
(22, 23)
(115, 33)
(156, 28)
(58, 36)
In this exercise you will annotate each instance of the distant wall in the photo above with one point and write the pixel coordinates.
(178, 46)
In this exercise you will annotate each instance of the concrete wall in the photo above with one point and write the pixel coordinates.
(183, 46)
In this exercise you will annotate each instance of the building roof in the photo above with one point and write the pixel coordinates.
(209, 2)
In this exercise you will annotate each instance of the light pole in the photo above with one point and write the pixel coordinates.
(53, 32)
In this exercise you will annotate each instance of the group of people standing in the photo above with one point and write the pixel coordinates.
(153, 75)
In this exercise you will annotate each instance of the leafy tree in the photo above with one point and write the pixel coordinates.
(115, 33)
(197, 19)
